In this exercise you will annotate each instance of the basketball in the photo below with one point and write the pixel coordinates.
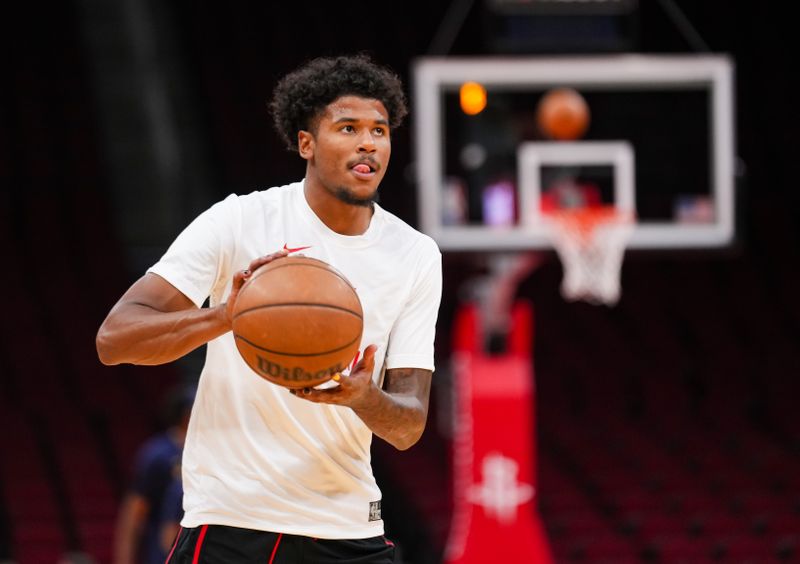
(563, 114)
(297, 321)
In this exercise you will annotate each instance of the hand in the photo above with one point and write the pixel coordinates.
(355, 391)
(243, 276)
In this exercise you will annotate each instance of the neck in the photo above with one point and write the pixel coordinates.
(338, 216)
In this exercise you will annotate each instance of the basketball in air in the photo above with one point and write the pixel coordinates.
(562, 114)
(297, 321)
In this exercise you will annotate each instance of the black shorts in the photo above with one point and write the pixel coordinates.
(218, 544)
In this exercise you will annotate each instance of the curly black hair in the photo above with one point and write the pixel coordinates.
(302, 95)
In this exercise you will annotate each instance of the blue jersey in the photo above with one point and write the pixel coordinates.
(157, 465)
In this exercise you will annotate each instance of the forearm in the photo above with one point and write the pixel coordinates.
(397, 419)
(136, 333)
(397, 415)
(125, 543)
(132, 514)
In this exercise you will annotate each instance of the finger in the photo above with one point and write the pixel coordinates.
(312, 395)
(367, 361)
(261, 261)
(328, 395)
(240, 278)
(305, 393)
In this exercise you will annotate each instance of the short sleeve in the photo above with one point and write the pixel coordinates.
(200, 256)
(411, 340)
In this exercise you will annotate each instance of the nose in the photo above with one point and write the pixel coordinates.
(366, 142)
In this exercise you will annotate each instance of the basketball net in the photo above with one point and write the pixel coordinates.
(590, 242)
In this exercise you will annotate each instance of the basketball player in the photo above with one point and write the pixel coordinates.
(269, 475)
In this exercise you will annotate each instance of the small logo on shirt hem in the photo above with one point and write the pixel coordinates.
(375, 510)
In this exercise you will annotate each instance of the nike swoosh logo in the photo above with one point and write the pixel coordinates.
(296, 249)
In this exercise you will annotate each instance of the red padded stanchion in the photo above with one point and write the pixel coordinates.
(495, 517)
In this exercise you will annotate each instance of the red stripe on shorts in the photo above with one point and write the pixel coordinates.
(199, 544)
(174, 544)
(275, 548)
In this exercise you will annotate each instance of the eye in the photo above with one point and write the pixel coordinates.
(379, 131)
(348, 128)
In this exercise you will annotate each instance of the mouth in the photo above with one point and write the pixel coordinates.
(365, 169)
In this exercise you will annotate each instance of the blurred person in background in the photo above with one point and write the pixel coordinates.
(171, 512)
(137, 539)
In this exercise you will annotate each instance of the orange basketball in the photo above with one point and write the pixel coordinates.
(297, 321)
(563, 114)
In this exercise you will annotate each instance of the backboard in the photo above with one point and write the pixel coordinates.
(660, 143)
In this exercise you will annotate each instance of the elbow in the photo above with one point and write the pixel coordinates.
(410, 437)
(403, 444)
(105, 348)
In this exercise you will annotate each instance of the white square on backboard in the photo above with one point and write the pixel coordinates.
(532, 156)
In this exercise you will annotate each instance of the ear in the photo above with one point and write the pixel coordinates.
(305, 144)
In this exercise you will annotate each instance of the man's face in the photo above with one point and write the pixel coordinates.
(350, 149)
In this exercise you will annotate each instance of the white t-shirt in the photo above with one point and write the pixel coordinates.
(256, 456)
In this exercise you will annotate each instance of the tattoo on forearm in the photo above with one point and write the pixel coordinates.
(400, 417)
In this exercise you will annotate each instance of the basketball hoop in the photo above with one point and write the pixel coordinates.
(590, 242)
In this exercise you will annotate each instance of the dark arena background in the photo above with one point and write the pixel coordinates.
(666, 427)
